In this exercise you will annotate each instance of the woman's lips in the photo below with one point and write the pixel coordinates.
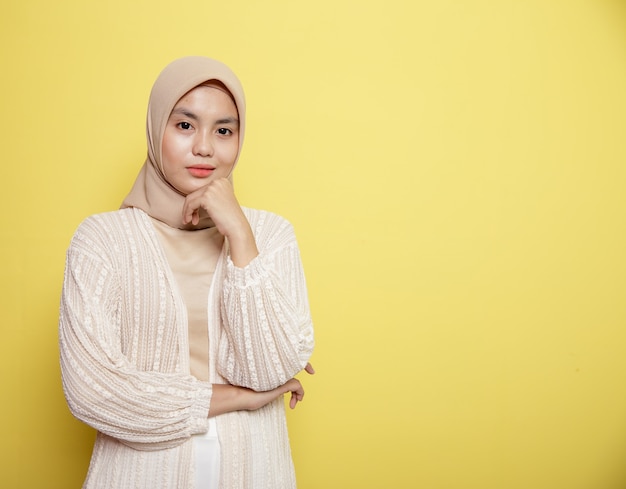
(200, 171)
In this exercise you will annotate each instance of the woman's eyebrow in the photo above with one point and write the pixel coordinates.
(193, 116)
(228, 120)
(186, 113)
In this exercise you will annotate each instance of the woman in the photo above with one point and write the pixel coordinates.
(184, 317)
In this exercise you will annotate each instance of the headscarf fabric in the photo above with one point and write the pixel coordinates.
(151, 191)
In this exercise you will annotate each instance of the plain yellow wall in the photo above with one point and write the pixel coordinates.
(456, 173)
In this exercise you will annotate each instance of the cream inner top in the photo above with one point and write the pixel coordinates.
(192, 256)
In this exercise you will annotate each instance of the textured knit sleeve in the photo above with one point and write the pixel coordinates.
(268, 332)
(143, 408)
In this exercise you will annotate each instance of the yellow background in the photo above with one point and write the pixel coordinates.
(455, 171)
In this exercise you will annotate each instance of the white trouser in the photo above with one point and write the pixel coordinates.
(207, 457)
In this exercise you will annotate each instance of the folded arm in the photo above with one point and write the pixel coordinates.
(268, 333)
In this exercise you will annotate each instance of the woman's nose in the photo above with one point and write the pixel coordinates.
(203, 146)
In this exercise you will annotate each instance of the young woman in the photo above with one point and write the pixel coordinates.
(184, 317)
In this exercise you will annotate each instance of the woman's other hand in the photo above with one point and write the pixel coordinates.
(228, 398)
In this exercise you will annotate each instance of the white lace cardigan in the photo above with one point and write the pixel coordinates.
(125, 354)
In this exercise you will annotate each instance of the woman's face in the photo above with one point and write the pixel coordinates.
(201, 139)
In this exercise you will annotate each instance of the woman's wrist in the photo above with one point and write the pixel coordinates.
(243, 247)
(225, 399)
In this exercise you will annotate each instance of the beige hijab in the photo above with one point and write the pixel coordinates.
(151, 191)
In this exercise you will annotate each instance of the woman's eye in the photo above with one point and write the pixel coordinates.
(224, 131)
(184, 125)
